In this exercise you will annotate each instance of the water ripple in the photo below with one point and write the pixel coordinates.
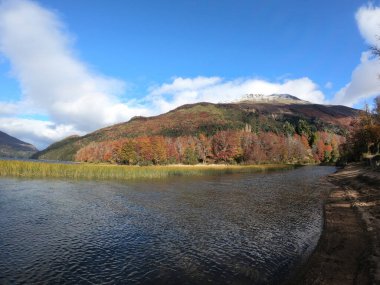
(235, 229)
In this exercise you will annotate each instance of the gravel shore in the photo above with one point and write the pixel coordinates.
(348, 251)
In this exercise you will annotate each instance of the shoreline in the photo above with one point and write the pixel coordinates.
(348, 251)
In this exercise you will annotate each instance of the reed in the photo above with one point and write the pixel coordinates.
(13, 168)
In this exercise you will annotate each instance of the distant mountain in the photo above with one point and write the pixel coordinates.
(11, 147)
(274, 98)
(255, 113)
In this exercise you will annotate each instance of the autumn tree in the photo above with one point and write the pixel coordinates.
(320, 151)
(158, 150)
(171, 151)
(93, 152)
(128, 153)
(295, 148)
(374, 128)
(247, 145)
(335, 148)
(270, 144)
(145, 150)
(82, 154)
(204, 148)
(116, 147)
(365, 137)
(226, 146)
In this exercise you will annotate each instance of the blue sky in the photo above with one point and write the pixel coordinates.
(73, 66)
(149, 42)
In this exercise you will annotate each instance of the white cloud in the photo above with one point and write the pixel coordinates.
(58, 85)
(180, 84)
(214, 89)
(39, 133)
(365, 82)
(7, 108)
(368, 21)
(52, 78)
(329, 85)
(160, 99)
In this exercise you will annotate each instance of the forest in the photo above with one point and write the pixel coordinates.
(296, 144)
(232, 147)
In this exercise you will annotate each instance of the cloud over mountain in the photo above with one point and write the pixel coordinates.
(215, 90)
(56, 85)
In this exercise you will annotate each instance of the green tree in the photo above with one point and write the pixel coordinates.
(303, 128)
(190, 156)
(288, 129)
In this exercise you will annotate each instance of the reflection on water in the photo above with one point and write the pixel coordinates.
(234, 229)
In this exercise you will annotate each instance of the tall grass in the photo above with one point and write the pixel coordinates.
(121, 172)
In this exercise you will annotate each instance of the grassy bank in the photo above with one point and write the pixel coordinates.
(120, 172)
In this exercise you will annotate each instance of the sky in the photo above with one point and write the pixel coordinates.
(74, 66)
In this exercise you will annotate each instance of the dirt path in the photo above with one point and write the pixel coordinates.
(349, 249)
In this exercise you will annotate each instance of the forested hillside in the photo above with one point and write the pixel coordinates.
(246, 131)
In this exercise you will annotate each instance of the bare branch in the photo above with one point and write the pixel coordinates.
(375, 51)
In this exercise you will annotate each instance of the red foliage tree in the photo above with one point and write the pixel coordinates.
(145, 150)
(171, 151)
(320, 150)
(204, 147)
(226, 146)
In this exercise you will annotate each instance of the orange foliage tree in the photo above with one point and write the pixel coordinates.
(224, 146)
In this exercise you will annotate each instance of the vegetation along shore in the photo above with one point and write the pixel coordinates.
(13, 168)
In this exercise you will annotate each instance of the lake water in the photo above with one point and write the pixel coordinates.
(232, 229)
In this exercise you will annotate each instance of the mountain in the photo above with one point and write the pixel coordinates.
(256, 113)
(274, 98)
(10, 147)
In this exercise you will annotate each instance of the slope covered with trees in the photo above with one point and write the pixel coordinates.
(15, 148)
(246, 131)
(223, 147)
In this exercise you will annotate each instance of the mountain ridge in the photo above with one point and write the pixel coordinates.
(209, 118)
(11, 147)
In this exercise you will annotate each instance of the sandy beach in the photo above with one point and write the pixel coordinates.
(349, 249)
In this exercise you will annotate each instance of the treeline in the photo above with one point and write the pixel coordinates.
(364, 139)
(223, 147)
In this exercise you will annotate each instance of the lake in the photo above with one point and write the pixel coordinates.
(231, 229)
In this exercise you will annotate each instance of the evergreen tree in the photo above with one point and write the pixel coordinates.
(288, 129)
(303, 128)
